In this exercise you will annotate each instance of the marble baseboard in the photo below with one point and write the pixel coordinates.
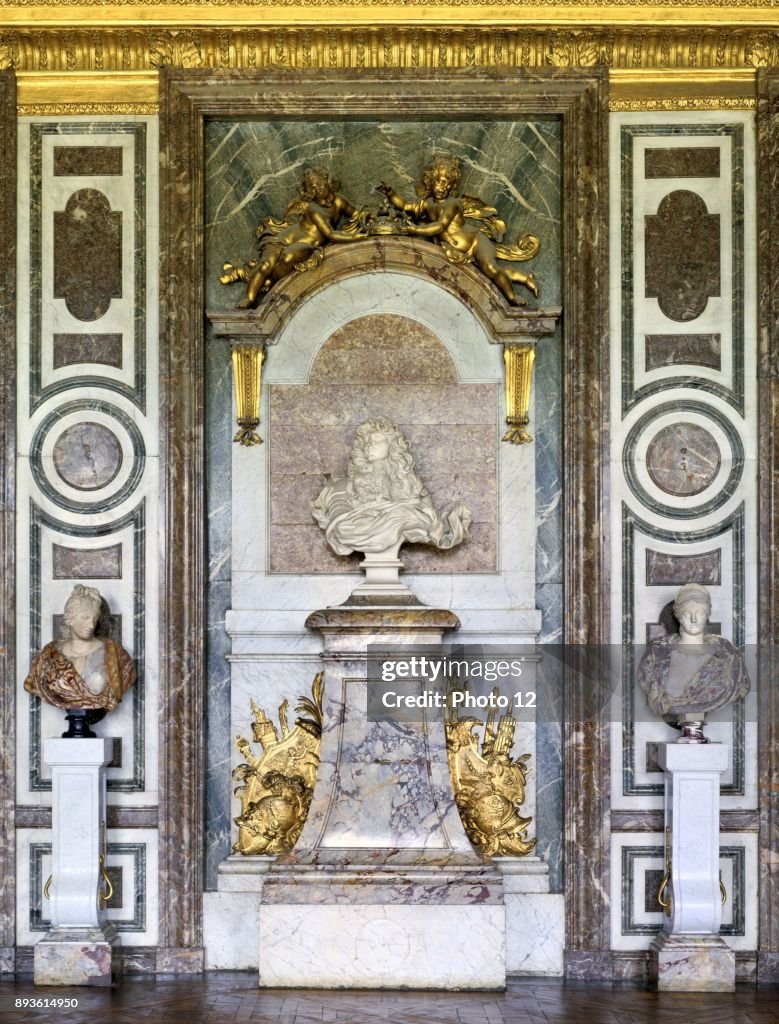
(443, 947)
(767, 968)
(139, 960)
(7, 959)
(689, 963)
(535, 934)
(180, 960)
(77, 956)
(588, 965)
(630, 966)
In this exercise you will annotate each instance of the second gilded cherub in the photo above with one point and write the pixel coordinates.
(468, 229)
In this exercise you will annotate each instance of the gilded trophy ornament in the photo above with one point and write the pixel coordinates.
(489, 785)
(277, 787)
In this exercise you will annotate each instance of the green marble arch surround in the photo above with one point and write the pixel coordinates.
(253, 169)
(189, 99)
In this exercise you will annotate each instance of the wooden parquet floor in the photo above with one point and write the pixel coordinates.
(233, 998)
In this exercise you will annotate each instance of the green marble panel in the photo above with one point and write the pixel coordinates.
(253, 169)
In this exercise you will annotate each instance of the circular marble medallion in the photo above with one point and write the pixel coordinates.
(683, 459)
(87, 456)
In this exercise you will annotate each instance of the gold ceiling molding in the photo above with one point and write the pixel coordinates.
(112, 70)
(392, 12)
(143, 49)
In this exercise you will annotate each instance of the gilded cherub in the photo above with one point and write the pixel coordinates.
(297, 241)
(467, 229)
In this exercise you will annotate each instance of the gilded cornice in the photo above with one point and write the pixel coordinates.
(678, 67)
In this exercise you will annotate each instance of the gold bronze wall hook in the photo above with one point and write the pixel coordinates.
(723, 891)
(106, 894)
(518, 361)
(47, 887)
(247, 371)
(666, 904)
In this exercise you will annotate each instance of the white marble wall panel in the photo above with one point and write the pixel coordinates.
(535, 933)
(683, 452)
(66, 516)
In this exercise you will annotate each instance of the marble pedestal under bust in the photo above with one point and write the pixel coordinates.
(81, 947)
(689, 955)
(383, 889)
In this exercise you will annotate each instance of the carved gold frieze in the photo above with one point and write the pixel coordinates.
(489, 785)
(278, 785)
(109, 48)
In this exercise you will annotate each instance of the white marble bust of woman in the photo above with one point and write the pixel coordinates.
(694, 672)
(382, 503)
(82, 670)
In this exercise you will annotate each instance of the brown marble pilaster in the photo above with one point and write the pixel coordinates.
(182, 633)
(7, 516)
(768, 496)
(586, 390)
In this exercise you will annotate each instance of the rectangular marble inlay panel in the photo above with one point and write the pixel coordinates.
(86, 161)
(663, 569)
(388, 366)
(87, 348)
(680, 349)
(86, 563)
(693, 162)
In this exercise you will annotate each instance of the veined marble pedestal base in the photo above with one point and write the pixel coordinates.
(689, 955)
(77, 956)
(80, 948)
(691, 963)
(383, 889)
(389, 925)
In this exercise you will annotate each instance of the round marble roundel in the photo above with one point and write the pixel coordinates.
(683, 459)
(87, 456)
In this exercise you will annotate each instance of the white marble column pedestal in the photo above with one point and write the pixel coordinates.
(81, 948)
(689, 955)
(383, 889)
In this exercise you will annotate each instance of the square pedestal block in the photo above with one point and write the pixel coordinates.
(691, 963)
(77, 956)
(390, 946)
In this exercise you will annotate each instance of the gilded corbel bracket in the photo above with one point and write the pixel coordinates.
(248, 353)
(247, 372)
(519, 332)
(518, 360)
